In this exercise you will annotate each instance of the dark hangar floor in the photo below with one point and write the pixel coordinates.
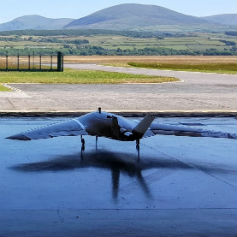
(181, 187)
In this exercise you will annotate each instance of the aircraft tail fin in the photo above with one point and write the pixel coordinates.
(142, 127)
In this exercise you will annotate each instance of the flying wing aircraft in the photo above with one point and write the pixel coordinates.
(103, 124)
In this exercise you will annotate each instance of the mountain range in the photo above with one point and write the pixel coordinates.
(125, 17)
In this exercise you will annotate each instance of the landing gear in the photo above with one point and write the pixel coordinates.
(82, 146)
(138, 145)
(82, 143)
(96, 142)
(138, 149)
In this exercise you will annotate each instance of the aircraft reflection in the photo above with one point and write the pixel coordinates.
(117, 163)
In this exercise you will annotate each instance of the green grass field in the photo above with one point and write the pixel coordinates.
(230, 68)
(70, 76)
(3, 88)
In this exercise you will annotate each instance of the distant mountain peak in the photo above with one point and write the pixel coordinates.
(224, 19)
(132, 16)
(35, 22)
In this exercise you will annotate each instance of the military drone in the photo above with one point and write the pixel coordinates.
(109, 125)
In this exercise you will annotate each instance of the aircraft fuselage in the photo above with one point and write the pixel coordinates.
(103, 124)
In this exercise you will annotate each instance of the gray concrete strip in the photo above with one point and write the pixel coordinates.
(14, 93)
(159, 97)
(198, 92)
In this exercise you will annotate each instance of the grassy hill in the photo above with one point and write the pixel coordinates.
(35, 22)
(225, 19)
(129, 17)
(140, 17)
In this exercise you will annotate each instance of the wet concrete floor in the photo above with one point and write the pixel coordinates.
(181, 186)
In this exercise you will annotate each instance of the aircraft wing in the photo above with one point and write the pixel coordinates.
(179, 130)
(71, 127)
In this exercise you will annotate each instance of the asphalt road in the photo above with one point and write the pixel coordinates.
(180, 187)
(196, 92)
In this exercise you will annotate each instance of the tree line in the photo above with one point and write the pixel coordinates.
(91, 32)
(95, 50)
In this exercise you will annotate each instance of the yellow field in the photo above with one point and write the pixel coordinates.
(219, 64)
(123, 60)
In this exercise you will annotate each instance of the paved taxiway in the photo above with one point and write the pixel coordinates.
(180, 187)
(196, 92)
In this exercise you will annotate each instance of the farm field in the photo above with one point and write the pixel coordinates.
(201, 41)
(120, 43)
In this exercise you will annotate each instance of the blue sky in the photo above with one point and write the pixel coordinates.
(78, 8)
